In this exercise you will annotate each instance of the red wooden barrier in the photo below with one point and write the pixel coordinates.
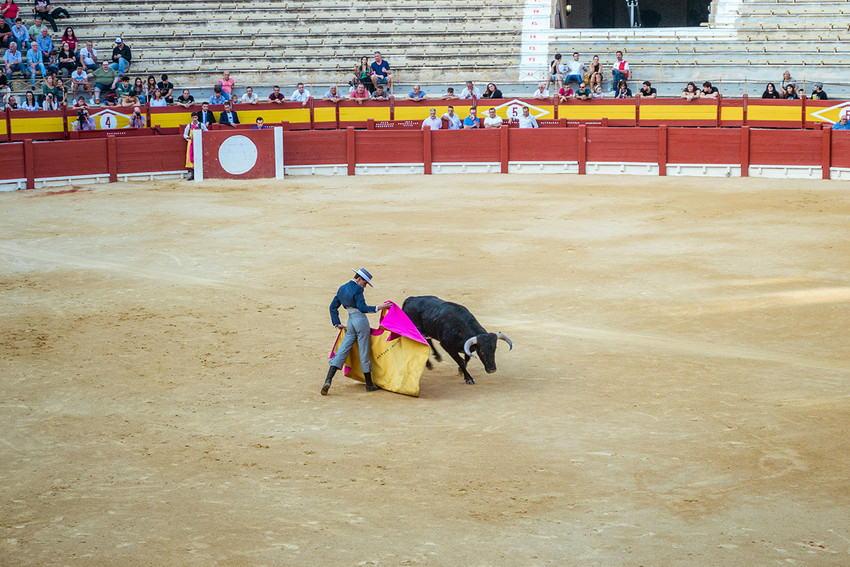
(709, 146)
(143, 155)
(12, 161)
(67, 159)
(314, 148)
(459, 146)
(768, 147)
(618, 145)
(551, 144)
(404, 146)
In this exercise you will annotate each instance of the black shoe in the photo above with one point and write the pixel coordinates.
(191, 175)
(328, 380)
(370, 386)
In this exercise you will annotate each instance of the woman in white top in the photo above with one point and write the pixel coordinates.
(156, 99)
(50, 102)
(29, 102)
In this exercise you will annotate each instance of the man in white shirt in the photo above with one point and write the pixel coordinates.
(88, 57)
(542, 92)
(471, 91)
(432, 121)
(250, 97)
(527, 120)
(492, 121)
(575, 69)
(301, 95)
(452, 118)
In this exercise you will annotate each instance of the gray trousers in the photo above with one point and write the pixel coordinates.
(357, 330)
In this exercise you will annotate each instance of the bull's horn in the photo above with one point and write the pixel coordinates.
(505, 338)
(469, 343)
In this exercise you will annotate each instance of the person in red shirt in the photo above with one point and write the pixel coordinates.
(276, 96)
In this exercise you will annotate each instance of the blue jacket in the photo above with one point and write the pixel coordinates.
(349, 295)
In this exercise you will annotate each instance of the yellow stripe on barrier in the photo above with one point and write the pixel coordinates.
(731, 113)
(36, 125)
(773, 113)
(596, 112)
(421, 112)
(670, 112)
(323, 114)
(347, 114)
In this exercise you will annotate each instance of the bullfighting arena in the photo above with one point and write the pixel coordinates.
(677, 395)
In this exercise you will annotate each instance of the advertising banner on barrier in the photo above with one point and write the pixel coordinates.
(239, 154)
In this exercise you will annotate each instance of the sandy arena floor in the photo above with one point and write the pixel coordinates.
(678, 394)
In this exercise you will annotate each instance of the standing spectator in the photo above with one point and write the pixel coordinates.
(43, 9)
(381, 71)
(492, 91)
(471, 91)
(9, 10)
(332, 94)
(218, 96)
(471, 122)
(250, 97)
(492, 120)
(647, 91)
(818, 93)
(623, 90)
(301, 95)
(105, 80)
(453, 119)
(708, 91)
(35, 29)
(541, 93)
(121, 56)
(166, 88)
(770, 92)
(556, 72)
(690, 92)
(227, 83)
(13, 62)
(363, 74)
(205, 115)
(35, 63)
(228, 116)
(186, 99)
(380, 94)
(575, 69)
(432, 121)
(157, 99)
(88, 57)
(620, 69)
(527, 120)
(80, 81)
(29, 102)
(595, 73)
(137, 120)
(188, 135)
(21, 35)
(360, 94)
(417, 95)
(276, 96)
(70, 37)
(67, 60)
(583, 93)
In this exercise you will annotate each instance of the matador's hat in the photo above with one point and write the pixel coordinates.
(364, 274)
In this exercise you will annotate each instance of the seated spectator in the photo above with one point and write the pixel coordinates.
(708, 91)
(557, 69)
(380, 93)
(226, 83)
(49, 86)
(166, 88)
(492, 92)
(491, 120)
(332, 94)
(432, 121)
(818, 93)
(471, 122)
(35, 30)
(450, 94)
(34, 63)
(595, 73)
(9, 11)
(121, 56)
(84, 121)
(801, 92)
(363, 74)
(5, 91)
(157, 101)
(11, 103)
(14, 62)
(417, 94)
(360, 94)
(150, 86)
(80, 81)
(541, 93)
(186, 99)
(787, 80)
(67, 60)
(566, 92)
(70, 38)
(526, 120)
(46, 11)
(21, 35)
(790, 92)
(301, 95)
(259, 125)
(61, 92)
(126, 94)
(6, 36)
(228, 116)
(88, 57)
(105, 79)
(205, 115)
(583, 93)
(842, 124)
(49, 102)
(620, 70)
(139, 90)
(81, 103)
(597, 92)
(218, 96)
(690, 92)
(250, 97)
(623, 90)
(647, 91)
(575, 69)
(380, 71)
(45, 45)
(471, 91)
(276, 96)
(52, 63)
(137, 120)
(770, 92)
(453, 119)
(29, 102)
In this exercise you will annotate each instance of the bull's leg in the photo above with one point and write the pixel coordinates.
(434, 350)
(461, 366)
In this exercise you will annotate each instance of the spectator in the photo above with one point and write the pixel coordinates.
(380, 93)
(105, 79)
(801, 92)
(787, 80)
(43, 9)
(575, 69)
(450, 94)
(818, 93)
(80, 81)
(137, 120)
(70, 37)
(139, 90)
(842, 123)
(186, 99)
(708, 91)
(301, 95)
(45, 44)
(5, 91)
(205, 115)
(432, 121)
(583, 93)
(790, 92)
(9, 10)
(417, 94)
(121, 56)
(61, 92)
(21, 35)
(49, 102)
(29, 102)
(88, 57)
(380, 71)
(360, 94)
(150, 86)
(188, 134)
(250, 97)
(228, 116)
(35, 63)
(471, 122)
(14, 62)
(226, 84)
(526, 120)
(620, 69)
(157, 99)
(595, 73)
(770, 92)
(492, 92)
(6, 36)
(597, 92)
(332, 94)
(166, 89)
(623, 90)
(276, 96)
(49, 86)
(11, 103)
(35, 29)
(471, 91)
(84, 121)
(647, 91)
(67, 60)
(363, 74)
(541, 93)
(690, 92)
(81, 103)
(218, 96)
(556, 72)
(565, 93)
(491, 120)
(452, 119)
(259, 125)
(124, 91)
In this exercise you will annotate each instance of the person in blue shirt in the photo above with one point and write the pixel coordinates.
(260, 125)
(842, 123)
(219, 96)
(471, 122)
(350, 296)
(380, 71)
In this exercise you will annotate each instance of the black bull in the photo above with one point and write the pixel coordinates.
(457, 331)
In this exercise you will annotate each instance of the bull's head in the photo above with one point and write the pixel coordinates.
(485, 344)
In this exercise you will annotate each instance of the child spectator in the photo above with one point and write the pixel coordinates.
(623, 90)
(80, 80)
(450, 94)
(597, 92)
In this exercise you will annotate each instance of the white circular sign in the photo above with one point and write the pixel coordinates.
(514, 111)
(237, 155)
